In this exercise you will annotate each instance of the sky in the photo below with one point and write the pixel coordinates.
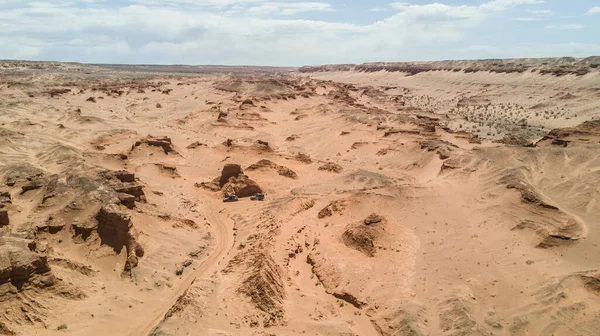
(295, 32)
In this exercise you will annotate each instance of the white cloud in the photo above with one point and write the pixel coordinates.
(566, 26)
(293, 8)
(231, 7)
(195, 3)
(400, 5)
(593, 10)
(526, 19)
(540, 12)
(377, 9)
(231, 31)
(537, 15)
(500, 5)
(490, 6)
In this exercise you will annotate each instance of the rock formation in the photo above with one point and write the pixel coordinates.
(162, 142)
(363, 235)
(233, 182)
(331, 167)
(268, 164)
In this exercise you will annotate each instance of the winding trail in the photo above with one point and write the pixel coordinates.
(223, 240)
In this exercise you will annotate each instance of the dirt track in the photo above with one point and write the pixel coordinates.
(222, 246)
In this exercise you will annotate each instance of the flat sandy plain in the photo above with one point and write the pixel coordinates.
(448, 198)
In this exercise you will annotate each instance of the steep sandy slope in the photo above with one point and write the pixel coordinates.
(383, 215)
(489, 104)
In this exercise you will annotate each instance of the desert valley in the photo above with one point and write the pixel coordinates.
(429, 198)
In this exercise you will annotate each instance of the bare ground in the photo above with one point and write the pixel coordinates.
(400, 200)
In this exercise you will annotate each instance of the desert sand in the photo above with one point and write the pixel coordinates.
(448, 198)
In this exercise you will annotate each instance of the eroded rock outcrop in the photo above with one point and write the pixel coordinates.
(303, 158)
(268, 164)
(88, 207)
(529, 194)
(441, 147)
(516, 140)
(5, 200)
(331, 167)
(4, 220)
(331, 208)
(229, 170)
(588, 128)
(242, 186)
(258, 277)
(18, 264)
(583, 133)
(362, 236)
(553, 226)
(264, 287)
(162, 142)
(124, 183)
(232, 181)
(195, 145)
(26, 283)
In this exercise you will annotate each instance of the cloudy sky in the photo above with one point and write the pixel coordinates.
(295, 32)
